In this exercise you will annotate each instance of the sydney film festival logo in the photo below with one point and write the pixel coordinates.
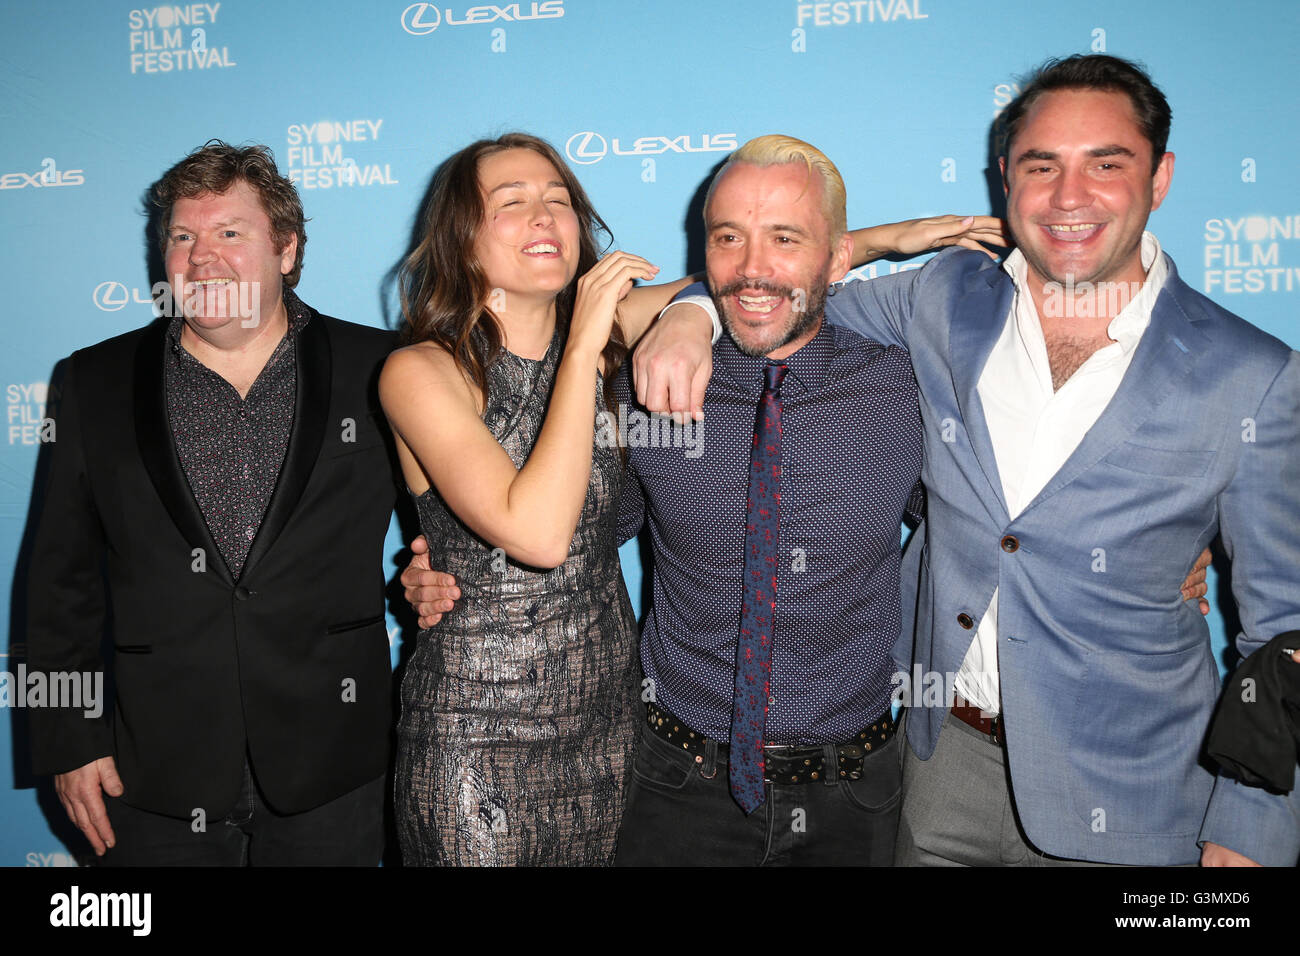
(26, 416)
(323, 155)
(175, 39)
(840, 13)
(1246, 255)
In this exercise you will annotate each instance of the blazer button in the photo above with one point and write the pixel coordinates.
(242, 593)
(965, 620)
(1010, 544)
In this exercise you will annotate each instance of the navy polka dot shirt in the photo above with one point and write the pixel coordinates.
(851, 464)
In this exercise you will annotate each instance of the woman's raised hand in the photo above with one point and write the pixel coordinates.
(599, 293)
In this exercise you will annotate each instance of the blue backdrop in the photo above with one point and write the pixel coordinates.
(361, 101)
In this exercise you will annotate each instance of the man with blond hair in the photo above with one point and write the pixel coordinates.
(772, 742)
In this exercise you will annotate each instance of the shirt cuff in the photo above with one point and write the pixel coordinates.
(704, 302)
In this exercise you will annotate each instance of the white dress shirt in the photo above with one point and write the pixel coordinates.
(1034, 428)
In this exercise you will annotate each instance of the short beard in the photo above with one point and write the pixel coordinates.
(815, 308)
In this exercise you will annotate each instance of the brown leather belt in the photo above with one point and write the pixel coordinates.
(973, 716)
(793, 764)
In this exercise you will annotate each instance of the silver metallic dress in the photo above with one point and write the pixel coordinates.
(518, 713)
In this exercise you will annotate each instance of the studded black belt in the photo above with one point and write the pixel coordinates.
(784, 764)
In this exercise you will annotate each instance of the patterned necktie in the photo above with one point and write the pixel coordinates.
(754, 647)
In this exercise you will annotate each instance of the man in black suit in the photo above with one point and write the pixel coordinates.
(217, 501)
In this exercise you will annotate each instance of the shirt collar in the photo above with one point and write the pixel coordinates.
(1127, 327)
(807, 367)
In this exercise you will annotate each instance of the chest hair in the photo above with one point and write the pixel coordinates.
(1065, 353)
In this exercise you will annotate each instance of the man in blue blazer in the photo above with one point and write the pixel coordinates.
(1091, 423)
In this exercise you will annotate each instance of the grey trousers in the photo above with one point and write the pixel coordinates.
(957, 808)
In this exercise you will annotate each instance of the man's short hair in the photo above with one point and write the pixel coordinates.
(216, 167)
(1095, 71)
(777, 150)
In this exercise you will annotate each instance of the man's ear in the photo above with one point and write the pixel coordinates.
(1002, 168)
(841, 258)
(1161, 180)
(288, 254)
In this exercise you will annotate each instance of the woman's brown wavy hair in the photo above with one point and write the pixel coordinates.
(443, 287)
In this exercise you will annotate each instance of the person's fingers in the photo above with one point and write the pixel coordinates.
(699, 385)
(89, 830)
(656, 387)
(415, 579)
(679, 392)
(99, 821)
(969, 243)
(80, 815)
(638, 376)
(439, 598)
(609, 267)
(432, 604)
(108, 777)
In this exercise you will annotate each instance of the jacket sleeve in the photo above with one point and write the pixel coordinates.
(66, 597)
(1259, 520)
(876, 308)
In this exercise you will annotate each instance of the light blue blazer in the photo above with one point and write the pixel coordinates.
(1108, 680)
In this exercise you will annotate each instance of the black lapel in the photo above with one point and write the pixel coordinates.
(311, 406)
(153, 437)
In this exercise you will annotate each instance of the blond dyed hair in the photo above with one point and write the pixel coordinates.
(775, 149)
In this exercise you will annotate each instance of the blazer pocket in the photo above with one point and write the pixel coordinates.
(1160, 461)
(354, 625)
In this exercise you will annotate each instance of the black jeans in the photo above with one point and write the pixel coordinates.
(681, 813)
(347, 831)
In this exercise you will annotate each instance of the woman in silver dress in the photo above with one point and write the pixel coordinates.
(518, 712)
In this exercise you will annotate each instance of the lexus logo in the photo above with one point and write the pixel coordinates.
(111, 296)
(586, 148)
(414, 22)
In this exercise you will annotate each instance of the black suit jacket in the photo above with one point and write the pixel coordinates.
(290, 662)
